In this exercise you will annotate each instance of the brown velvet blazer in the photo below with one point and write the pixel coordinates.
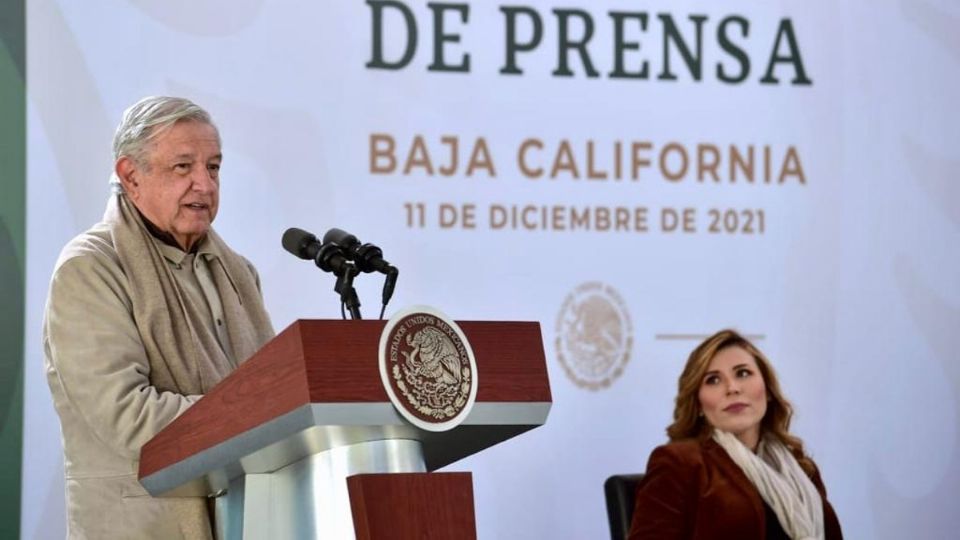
(692, 489)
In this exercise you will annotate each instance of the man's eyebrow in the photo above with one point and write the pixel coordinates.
(190, 156)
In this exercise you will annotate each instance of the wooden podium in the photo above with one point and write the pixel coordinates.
(302, 441)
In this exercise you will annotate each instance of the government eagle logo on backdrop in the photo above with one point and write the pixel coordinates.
(594, 335)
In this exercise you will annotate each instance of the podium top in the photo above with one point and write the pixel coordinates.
(317, 386)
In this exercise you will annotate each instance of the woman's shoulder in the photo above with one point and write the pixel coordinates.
(674, 470)
(681, 452)
(684, 447)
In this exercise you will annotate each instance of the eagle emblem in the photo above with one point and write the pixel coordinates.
(428, 368)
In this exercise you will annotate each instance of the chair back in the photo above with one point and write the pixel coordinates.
(621, 493)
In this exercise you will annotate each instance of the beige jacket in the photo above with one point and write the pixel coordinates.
(98, 373)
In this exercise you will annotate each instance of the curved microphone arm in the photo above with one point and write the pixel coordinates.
(389, 283)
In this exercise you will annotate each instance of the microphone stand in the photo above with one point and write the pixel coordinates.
(330, 259)
(344, 286)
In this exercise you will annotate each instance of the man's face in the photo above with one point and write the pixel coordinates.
(178, 188)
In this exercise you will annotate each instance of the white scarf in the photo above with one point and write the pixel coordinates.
(782, 484)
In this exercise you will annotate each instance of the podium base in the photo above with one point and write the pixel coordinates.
(309, 498)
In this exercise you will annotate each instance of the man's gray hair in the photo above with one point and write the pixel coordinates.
(144, 121)
(149, 117)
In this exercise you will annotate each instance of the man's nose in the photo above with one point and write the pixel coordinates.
(203, 180)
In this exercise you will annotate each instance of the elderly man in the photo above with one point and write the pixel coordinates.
(147, 311)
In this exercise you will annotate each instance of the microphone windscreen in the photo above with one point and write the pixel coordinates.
(299, 242)
(341, 238)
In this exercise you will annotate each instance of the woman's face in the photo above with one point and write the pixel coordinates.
(733, 395)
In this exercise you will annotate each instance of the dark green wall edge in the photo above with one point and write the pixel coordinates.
(13, 227)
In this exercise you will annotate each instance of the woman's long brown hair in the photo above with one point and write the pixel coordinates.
(687, 420)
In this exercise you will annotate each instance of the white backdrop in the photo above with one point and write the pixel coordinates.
(852, 287)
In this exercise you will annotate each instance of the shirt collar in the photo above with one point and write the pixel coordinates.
(170, 253)
(169, 247)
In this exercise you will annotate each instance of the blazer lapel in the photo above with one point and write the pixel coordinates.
(732, 471)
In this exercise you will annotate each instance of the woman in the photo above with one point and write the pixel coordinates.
(732, 469)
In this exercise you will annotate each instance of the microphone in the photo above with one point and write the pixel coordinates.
(367, 257)
(328, 256)
(300, 243)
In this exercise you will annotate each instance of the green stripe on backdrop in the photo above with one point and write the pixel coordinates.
(12, 257)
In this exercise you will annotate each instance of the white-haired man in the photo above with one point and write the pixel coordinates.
(147, 311)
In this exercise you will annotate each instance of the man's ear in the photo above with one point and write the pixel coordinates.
(126, 171)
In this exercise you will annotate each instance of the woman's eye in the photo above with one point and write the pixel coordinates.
(743, 373)
(713, 379)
